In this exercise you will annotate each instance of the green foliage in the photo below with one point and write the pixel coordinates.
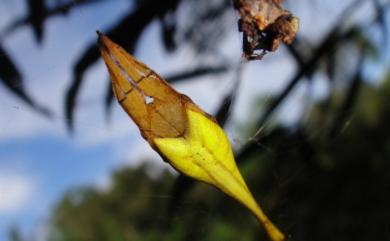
(313, 186)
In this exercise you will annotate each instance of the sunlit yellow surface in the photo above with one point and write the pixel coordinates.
(204, 153)
(189, 139)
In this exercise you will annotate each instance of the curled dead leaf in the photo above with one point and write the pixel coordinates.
(156, 108)
(265, 24)
(186, 137)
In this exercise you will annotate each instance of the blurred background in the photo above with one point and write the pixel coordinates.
(308, 123)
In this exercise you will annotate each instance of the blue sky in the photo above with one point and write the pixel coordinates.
(49, 165)
(39, 160)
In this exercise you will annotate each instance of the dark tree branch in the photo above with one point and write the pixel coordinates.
(328, 44)
(38, 14)
(126, 33)
(13, 80)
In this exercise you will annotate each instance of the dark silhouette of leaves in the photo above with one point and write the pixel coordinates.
(299, 58)
(295, 170)
(14, 234)
(37, 10)
(350, 100)
(206, 25)
(381, 19)
(196, 73)
(38, 13)
(126, 34)
(306, 68)
(181, 187)
(12, 79)
(168, 25)
(344, 196)
(330, 70)
(108, 99)
(223, 111)
(295, 53)
(330, 42)
(87, 59)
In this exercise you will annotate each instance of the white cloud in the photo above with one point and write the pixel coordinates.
(15, 191)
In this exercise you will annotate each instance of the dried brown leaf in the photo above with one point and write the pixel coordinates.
(156, 108)
(265, 24)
